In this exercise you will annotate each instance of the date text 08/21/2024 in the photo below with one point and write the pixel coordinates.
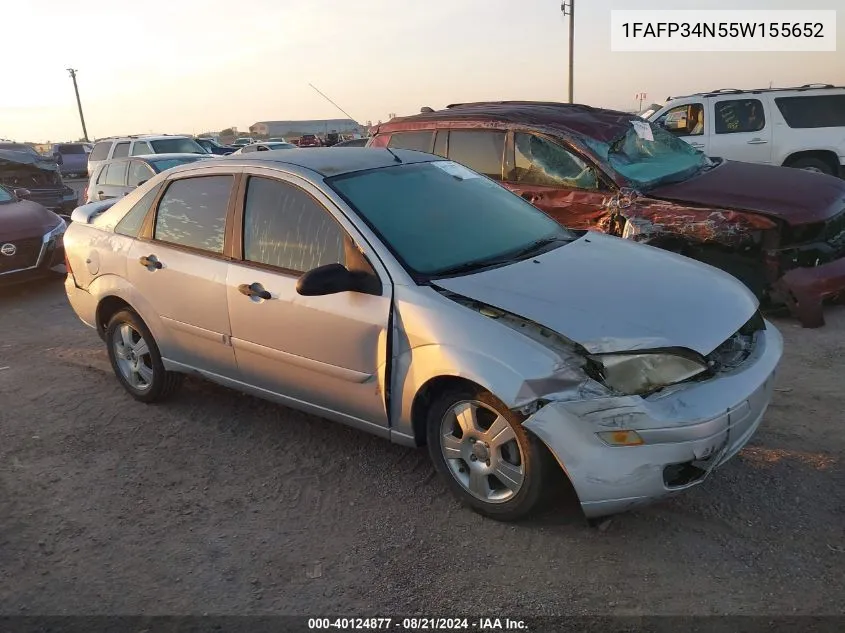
(418, 624)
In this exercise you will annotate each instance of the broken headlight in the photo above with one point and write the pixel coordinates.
(637, 374)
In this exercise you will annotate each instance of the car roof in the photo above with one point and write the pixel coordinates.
(152, 157)
(326, 161)
(140, 137)
(583, 120)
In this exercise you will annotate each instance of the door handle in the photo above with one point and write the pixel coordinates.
(697, 145)
(254, 290)
(150, 262)
(757, 141)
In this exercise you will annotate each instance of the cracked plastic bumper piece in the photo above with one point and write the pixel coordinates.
(688, 431)
(804, 290)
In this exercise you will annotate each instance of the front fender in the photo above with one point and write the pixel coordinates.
(414, 368)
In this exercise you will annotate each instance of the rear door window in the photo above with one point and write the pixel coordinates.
(100, 151)
(192, 212)
(115, 174)
(419, 141)
(480, 150)
(121, 150)
(734, 116)
(813, 111)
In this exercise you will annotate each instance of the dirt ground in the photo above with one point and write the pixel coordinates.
(221, 503)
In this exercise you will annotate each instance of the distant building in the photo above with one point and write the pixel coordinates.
(295, 129)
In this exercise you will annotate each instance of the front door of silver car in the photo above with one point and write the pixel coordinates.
(180, 269)
(325, 351)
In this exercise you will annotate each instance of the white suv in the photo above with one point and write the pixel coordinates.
(122, 146)
(800, 127)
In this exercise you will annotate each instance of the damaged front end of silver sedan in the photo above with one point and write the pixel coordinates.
(632, 427)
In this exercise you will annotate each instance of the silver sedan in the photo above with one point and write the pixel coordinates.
(408, 296)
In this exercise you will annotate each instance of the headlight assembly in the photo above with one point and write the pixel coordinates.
(634, 374)
(56, 232)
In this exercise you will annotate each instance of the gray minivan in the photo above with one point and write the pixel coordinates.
(115, 178)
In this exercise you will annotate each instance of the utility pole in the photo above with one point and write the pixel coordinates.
(72, 72)
(570, 7)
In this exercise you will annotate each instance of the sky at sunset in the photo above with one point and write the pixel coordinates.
(189, 66)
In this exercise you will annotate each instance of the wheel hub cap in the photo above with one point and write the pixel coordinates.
(481, 451)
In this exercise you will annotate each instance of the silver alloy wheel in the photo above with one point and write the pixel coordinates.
(132, 356)
(481, 450)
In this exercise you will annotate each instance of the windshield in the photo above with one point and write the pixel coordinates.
(167, 163)
(649, 155)
(279, 145)
(177, 146)
(5, 196)
(441, 218)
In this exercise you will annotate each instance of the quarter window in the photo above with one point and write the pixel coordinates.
(138, 172)
(480, 150)
(131, 223)
(541, 162)
(121, 150)
(192, 212)
(139, 148)
(419, 141)
(287, 228)
(739, 115)
(813, 111)
(100, 151)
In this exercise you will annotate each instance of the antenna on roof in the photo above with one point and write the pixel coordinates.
(349, 116)
(395, 157)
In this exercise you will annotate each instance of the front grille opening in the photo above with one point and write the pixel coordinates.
(678, 475)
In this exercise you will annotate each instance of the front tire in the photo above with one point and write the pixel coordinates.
(136, 360)
(488, 459)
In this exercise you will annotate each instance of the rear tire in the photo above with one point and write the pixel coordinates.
(815, 165)
(487, 458)
(136, 360)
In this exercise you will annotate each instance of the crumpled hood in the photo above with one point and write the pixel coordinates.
(793, 195)
(25, 219)
(609, 294)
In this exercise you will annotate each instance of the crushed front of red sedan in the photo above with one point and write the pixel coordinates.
(779, 230)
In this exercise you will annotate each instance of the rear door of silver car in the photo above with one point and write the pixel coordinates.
(325, 351)
(179, 266)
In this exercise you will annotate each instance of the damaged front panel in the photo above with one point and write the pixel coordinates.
(40, 176)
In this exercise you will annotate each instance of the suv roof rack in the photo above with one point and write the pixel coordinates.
(722, 91)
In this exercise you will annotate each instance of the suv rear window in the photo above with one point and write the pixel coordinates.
(176, 146)
(71, 149)
(815, 111)
(419, 141)
(480, 150)
(100, 151)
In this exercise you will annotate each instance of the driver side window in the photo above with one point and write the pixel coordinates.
(541, 162)
(684, 120)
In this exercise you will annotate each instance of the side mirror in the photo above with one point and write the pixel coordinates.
(334, 278)
(22, 194)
